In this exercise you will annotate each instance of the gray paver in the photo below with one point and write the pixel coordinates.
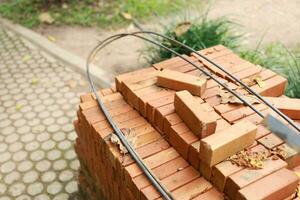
(37, 107)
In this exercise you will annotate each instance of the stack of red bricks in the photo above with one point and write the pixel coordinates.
(185, 133)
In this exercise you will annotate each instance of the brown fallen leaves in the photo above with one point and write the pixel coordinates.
(130, 136)
(255, 159)
(278, 152)
(227, 97)
(253, 80)
(249, 159)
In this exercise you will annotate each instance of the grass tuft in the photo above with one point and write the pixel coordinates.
(198, 35)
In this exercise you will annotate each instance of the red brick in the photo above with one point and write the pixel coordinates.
(211, 92)
(194, 114)
(222, 124)
(291, 156)
(261, 131)
(192, 189)
(174, 62)
(106, 91)
(217, 147)
(182, 142)
(152, 162)
(161, 172)
(86, 97)
(274, 87)
(245, 177)
(169, 121)
(147, 150)
(193, 155)
(171, 183)
(180, 81)
(156, 103)
(212, 194)
(179, 128)
(289, 106)
(120, 78)
(278, 185)
(270, 141)
(242, 112)
(250, 71)
(221, 171)
(145, 98)
(134, 95)
(160, 114)
(187, 68)
(205, 170)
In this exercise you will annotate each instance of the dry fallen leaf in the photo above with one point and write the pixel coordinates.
(260, 82)
(51, 38)
(18, 107)
(26, 58)
(115, 140)
(45, 17)
(34, 81)
(131, 138)
(182, 28)
(251, 99)
(249, 159)
(253, 80)
(127, 16)
(227, 97)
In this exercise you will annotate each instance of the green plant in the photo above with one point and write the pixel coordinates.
(104, 13)
(197, 35)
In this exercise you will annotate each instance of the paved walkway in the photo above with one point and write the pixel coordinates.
(38, 101)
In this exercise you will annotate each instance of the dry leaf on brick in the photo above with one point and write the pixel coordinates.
(115, 140)
(278, 152)
(227, 97)
(251, 99)
(253, 80)
(182, 28)
(130, 136)
(260, 82)
(249, 159)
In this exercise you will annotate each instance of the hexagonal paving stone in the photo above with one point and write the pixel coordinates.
(37, 159)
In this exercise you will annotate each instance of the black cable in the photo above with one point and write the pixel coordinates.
(165, 194)
(286, 118)
(145, 169)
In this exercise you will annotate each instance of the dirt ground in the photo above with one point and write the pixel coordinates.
(274, 20)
